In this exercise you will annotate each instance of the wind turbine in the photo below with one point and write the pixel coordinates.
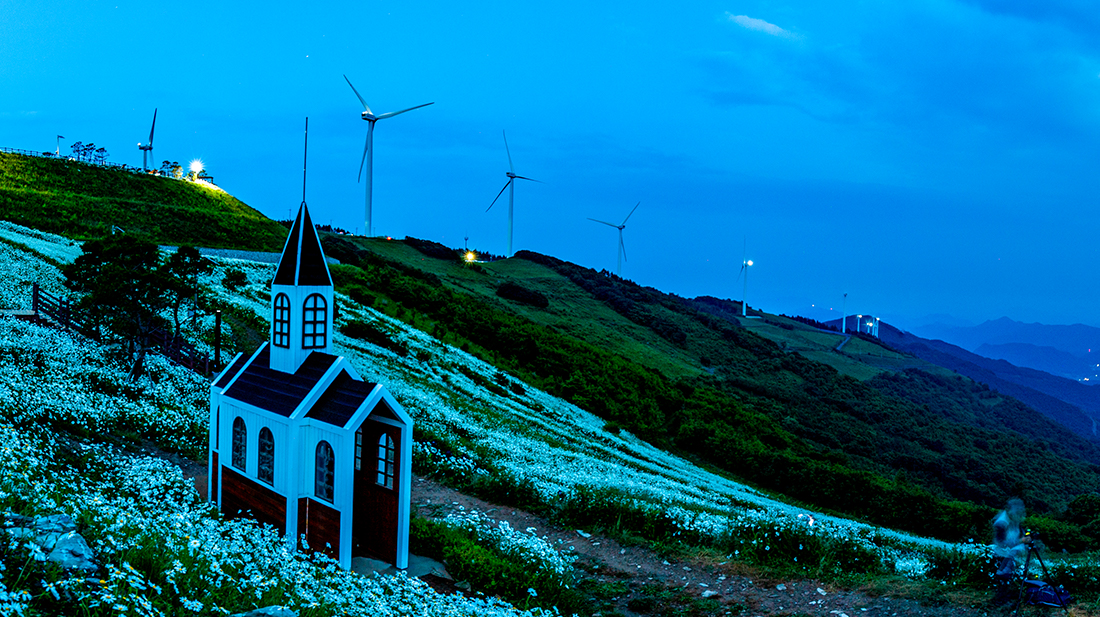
(745, 263)
(511, 173)
(147, 149)
(622, 247)
(368, 149)
(844, 319)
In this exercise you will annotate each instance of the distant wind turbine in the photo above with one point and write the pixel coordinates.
(844, 319)
(368, 148)
(147, 149)
(512, 177)
(745, 263)
(622, 247)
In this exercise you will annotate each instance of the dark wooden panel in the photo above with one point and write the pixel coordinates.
(243, 497)
(374, 527)
(320, 524)
(214, 478)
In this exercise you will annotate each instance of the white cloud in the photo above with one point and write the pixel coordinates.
(753, 23)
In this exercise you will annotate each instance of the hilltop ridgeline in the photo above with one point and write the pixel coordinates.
(82, 200)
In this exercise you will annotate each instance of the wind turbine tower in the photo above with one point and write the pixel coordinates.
(745, 290)
(844, 317)
(147, 149)
(510, 184)
(368, 148)
(622, 247)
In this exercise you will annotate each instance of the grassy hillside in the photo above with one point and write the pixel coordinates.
(697, 383)
(82, 200)
(484, 430)
(768, 400)
(72, 424)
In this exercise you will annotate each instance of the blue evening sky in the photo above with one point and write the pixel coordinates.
(925, 157)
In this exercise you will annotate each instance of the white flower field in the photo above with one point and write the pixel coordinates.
(61, 399)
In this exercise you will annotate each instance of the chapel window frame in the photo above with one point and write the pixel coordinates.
(280, 334)
(240, 444)
(265, 454)
(324, 474)
(315, 322)
(386, 468)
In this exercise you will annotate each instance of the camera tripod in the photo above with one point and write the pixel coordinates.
(1034, 550)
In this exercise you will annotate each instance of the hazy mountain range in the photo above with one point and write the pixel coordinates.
(1071, 351)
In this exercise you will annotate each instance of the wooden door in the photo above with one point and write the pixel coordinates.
(377, 456)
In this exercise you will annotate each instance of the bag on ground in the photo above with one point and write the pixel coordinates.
(1042, 594)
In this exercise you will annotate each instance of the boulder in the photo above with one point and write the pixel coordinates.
(72, 552)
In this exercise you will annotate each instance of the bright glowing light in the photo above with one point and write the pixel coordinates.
(196, 165)
(748, 263)
(470, 256)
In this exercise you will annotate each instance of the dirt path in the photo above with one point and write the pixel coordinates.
(638, 572)
(609, 562)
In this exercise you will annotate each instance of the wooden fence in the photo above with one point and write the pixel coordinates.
(120, 166)
(61, 312)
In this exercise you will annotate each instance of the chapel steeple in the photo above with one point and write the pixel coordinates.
(301, 298)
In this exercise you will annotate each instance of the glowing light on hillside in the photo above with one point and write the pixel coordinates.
(470, 256)
(196, 165)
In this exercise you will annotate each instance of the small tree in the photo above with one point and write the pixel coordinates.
(78, 150)
(165, 168)
(123, 287)
(183, 269)
(101, 155)
(177, 170)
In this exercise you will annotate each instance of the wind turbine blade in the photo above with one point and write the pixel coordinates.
(366, 144)
(511, 167)
(631, 212)
(151, 129)
(498, 195)
(394, 113)
(604, 222)
(531, 179)
(365, 106)
(622, 246)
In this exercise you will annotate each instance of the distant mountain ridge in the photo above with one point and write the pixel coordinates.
(1068, 350)
(1047, 359)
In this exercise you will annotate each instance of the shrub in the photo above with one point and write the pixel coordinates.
(511, 291)
(234, 279)
(492, 564)
(366, 331)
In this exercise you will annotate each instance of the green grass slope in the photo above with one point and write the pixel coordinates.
(768, 400)
(82, 200)
(700, 384)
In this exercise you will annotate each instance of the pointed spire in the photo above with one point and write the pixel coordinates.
(303, 261)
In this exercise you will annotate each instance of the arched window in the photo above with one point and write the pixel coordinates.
(314, 318)
(281, 320)
(266, 454)
(385, 461)
(240, 443)
(324, 472)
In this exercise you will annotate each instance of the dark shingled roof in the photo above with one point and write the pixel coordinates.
(341, 400)
(232, 370)
(303, 261)
(276, 391)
